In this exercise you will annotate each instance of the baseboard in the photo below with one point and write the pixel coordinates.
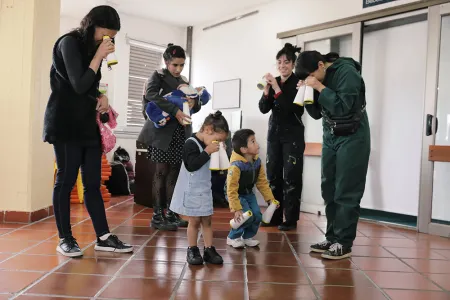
(312, 208)
(388, 217)
(24, 216)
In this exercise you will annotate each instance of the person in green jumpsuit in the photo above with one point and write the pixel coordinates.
(341, 103)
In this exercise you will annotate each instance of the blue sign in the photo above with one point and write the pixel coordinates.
(370, 3)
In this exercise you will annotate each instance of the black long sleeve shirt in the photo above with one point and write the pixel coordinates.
(193, 158)
(71, 113)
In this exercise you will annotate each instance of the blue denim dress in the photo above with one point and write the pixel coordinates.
(192, 196)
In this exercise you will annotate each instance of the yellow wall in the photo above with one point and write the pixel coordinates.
(28, 30)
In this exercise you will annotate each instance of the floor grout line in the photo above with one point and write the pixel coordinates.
(115, 276)
(371, 281)
(416, 271)
(302, 268)
(40, 279)
(244, 261)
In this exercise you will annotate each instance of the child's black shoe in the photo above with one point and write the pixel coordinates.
(211, 256)
(193, 256)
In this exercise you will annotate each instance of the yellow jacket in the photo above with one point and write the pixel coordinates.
(242, 178)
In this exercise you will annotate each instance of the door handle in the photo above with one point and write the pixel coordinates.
(429, 125)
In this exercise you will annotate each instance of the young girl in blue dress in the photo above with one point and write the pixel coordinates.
(193, 196)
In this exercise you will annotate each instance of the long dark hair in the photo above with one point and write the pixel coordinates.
(172, 52)
(290, 51)
(308, 62)
(103, 16)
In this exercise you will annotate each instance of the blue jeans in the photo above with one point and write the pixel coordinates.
(249, 228)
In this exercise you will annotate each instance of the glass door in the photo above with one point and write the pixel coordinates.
(345, 40)
(434, 206)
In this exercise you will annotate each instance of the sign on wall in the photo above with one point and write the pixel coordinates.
(370, 3)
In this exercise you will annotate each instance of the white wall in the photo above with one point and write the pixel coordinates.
(117, 79)
(246, 49)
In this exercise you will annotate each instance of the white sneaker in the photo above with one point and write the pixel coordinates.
(251, 242)
(236, 243)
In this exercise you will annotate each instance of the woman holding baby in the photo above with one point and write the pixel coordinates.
(165, 144)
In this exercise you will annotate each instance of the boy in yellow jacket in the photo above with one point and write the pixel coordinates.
(245, 172)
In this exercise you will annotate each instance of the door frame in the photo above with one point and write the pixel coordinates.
(353, 29)
(424, 220)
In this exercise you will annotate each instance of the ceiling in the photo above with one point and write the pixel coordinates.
(175, 12)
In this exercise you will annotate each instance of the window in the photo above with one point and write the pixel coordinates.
(144, 60)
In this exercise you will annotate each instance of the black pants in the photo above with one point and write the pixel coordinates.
(164, 181)
(285, 171)
(69, 159)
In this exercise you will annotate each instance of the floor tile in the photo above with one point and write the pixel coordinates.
(5, 231)
(4, 256)
(11, 225)
(137, 222)
(381, 264)
(266, 291)
(153, 269)
(370, 251)
(277, 274)
(429, 266)
(32, 262)
(381, 233)
(364, 241)
(197, 290)
(270, 259)
(314, 260)
(98, 266)
(415, 253)
(306, 238)
(444, 253)
(442, 279)
(43, 297)
(303, 248)
(46, 248)
(400, 243)
(14, 281)
(133, 230)
(232, 256)
(139, 288)
(170, 242)
(13, 246)
(91, 253)
(417, 295)
(30, 235)
(5, 296)
(42, 227)
(70, 285)
(339, 277)
(349, 293)
(434, 242)
(218, 243)
(162, 254)
(215, 272)
(395, 280)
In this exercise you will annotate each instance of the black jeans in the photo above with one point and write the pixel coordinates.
(69, 159)
(285, 147)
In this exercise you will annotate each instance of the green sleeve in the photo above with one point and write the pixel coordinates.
(340, 100)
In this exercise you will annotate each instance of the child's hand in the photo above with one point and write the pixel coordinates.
(238, 215)
(211, 148)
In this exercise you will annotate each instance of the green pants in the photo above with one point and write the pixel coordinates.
(344, 169)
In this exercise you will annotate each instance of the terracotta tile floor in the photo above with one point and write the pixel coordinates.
(387, 263)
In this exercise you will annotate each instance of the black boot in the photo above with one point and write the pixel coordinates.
(174, 218)
(287, 226)
(193, 256)
(160, 222)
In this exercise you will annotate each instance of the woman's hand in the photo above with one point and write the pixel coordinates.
(102, 104)
(273, 82)
(105, 48)
(314, 83)
(181, 117)
(211, 148)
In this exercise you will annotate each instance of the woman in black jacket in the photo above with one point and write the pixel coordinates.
(285, 139)
(70, 124)
(165, 144)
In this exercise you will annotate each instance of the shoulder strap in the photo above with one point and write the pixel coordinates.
(198, 144)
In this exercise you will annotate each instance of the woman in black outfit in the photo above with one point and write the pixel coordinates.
(285, 139)
(70, 124)
(166, 143)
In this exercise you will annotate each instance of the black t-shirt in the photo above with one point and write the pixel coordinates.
(193, 158)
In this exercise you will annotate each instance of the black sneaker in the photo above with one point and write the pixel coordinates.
(337, 251)
(113, 244)
(69, 247)
(286, 226)
(321, 247)
(160, 222)
(211, 256)
(193, 256)
(174, 218)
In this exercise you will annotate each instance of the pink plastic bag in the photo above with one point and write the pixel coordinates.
(107, 136)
